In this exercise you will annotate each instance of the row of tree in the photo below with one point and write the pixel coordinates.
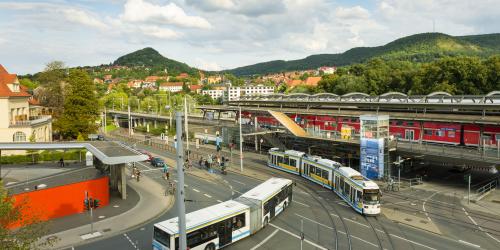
(456, 75)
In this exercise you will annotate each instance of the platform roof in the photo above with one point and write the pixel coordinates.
(108, 152)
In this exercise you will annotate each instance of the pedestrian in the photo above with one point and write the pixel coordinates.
(61, 162)
(138, 175)
(165, 170)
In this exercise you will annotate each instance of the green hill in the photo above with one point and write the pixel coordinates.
(149, 57)
(418, 48)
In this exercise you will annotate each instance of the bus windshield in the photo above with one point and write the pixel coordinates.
(162, 237)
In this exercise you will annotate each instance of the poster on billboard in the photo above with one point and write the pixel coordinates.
(372, 158)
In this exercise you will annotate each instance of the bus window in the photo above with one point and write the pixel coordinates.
(238, 221)
(162, 237)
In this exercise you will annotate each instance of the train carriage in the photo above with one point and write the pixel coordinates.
(319, 170)
(288, 161)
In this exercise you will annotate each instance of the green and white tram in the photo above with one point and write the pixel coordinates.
(319, 170)
(288, 161)
(209, 228)
(361, 194)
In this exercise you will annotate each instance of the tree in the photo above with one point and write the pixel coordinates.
(26, 82)
(52, 80)
(80, 109)
(31, 228)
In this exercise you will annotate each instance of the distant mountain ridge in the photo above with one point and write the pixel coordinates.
(149, 57)
(420, 48)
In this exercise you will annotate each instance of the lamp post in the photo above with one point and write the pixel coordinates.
(180, 185)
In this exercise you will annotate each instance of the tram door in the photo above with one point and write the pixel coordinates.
(225, 232)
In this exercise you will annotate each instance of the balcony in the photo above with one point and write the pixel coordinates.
(32, 121)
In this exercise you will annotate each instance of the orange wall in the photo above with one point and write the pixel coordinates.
(65, 200)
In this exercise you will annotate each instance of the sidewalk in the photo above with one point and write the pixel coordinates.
(152, 203)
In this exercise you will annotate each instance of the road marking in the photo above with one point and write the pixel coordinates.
(149, 170)
(186, 185)
(239, 182)
(207, 195)
(219, 201)
(469, 244)
(367, 242)
(131, 242)
(342, 204)
(265, 240)
(353, 221)
(196, 190)
(305, 205)
(479, 227)
(144, 165)
(298, 237)
(324, 191)
(416, 243)
(176, 180)
(225, 181)
(314, 221)
(423, 205)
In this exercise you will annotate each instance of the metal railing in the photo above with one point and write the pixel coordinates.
(487, 187)
(33, 120)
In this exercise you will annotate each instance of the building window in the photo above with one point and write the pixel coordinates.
(19, 136)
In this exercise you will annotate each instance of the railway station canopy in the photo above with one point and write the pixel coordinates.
(108, 152)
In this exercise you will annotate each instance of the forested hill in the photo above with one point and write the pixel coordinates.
(151, 58)
(423, 47)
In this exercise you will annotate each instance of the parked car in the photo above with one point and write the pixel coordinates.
(144, 152)
(157, 162)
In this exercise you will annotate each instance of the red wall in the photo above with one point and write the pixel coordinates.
(61, 201)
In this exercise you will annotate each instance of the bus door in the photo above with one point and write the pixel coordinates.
(225, 232)
(272, 208)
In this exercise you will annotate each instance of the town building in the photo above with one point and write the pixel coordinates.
(18, 120)
(108, 78)
(312, 81)
(182, 76)
(171, 86)
(135, 84)
(327, 70)
(214, 93)
(235, 93)
(196, 88)
(214, 79)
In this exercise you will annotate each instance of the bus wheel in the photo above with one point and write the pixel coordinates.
(210, 246)
(266, 221)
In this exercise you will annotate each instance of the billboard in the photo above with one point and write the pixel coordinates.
(372, 158)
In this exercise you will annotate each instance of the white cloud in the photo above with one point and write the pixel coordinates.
(82, 17)
(158, 32)
(244, 7)
(206, 65)
(356, 12)
(142, 11)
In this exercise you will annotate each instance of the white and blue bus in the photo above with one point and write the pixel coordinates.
(220, 225)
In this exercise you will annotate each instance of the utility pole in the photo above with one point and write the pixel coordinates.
(241, 145)
(180, 184)
(256, 140)
(186, 126)
(301, 233)
(105, 122)
(129, 122)
(468, 190)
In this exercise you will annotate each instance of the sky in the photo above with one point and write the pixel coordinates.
(221, 34)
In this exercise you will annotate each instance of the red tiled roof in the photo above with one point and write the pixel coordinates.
(6, 78)
(171, 84)
(33, 101)
(313, 80)
(194, 87)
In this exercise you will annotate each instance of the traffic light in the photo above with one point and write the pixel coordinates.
(96, 203)
(91, 203)
(86, 204)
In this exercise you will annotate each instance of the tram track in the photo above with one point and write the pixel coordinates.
(450, 219)
(383, 229)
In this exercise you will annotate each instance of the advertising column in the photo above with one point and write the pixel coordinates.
(373, 132)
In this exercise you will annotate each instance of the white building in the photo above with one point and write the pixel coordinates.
(171, 86)
(327, 70)
(234, 93)
(18, 120)
(214, 93)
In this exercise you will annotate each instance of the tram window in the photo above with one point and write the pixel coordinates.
(286, 160)
(318, 171)
(312, 169)
(238, 221)
(324, 174)
(358, 195)
(293, 162)
(428, 132)
(280, 159)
